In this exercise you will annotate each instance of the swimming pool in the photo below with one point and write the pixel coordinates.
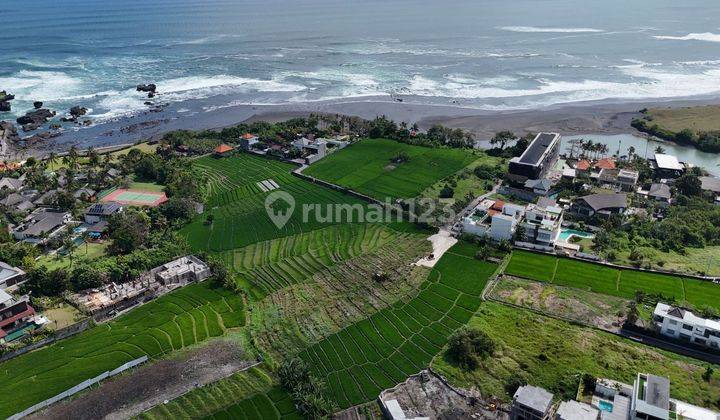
(565, 234)
(605, 406)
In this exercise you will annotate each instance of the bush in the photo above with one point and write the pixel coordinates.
(305, 389)
(468, 346)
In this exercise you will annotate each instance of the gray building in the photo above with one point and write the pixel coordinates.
(651, 397)
(537, 159)
(531, 403)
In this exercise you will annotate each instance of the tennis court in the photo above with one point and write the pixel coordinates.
(136, 197)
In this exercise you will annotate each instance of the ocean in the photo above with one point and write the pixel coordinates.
(489, 55)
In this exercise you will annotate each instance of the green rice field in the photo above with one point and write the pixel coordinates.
(272, 265)
(366, 167)
(250, 394)
(612, 281)
(177, 320)
(384, 349)
(237, 203)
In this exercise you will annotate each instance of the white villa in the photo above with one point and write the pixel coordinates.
(543, 221)
(494, 218)
(684, 325)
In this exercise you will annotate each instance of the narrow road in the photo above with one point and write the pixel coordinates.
(670, 346)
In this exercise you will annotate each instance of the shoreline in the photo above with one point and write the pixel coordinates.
(581, 118)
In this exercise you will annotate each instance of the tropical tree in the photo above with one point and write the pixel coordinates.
(502, 138)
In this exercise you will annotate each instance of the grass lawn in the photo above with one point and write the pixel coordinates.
(704, 261)
(88, 251)
(552, 354)
(147, 186)
(182, 318)
(601, 279)
(696, 118)
(367, 167)
(61, 316)
(465, 182)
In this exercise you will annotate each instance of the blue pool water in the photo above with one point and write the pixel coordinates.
(606, 406)
(565, 234)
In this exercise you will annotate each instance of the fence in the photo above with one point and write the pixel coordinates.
(60, 334)
(77, 388)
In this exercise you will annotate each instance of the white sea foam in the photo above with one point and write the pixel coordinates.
(705, 36)
(535, 29)
(30, 85)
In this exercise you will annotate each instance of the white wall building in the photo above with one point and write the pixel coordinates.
(543, 222)
(684, 325)
(495, 219)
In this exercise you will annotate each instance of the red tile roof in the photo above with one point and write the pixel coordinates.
(606, 163)
(18, 311)
(247, 136)
(498, 205)
(223, 148)
(583, 165)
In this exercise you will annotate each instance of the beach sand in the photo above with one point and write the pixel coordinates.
(577, 118)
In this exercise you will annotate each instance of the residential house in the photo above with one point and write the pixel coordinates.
(712, 185)
(85, 194)
(12, 184)
(573, 410)
(40, 225)
(583, 165)
(495, 219)
(222, 150)
(539, 187)
(531, 403)
(16, 317)
(11, 200)
(661, 193)
(317, 148)
(682, 324)
(540, 155)
(24, 206)
(623, 179)
(113, 173)
(101, 211)
(667, 166)
(543, 222)
(247, 141)
(10, 276)
(47, 198)
(600, 205)
(605, 163)
(182, 270)
(651, 397)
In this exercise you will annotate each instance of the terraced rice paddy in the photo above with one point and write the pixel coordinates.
(612, 281)
(237, 203)
(366, 167)
(177, 320)
(272, 265)
(382, 350)
(250, 394)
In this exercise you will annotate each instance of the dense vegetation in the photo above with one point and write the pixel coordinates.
(707, 141)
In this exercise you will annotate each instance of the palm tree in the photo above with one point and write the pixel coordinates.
(631, 152)
(659, 150)
(51, 159)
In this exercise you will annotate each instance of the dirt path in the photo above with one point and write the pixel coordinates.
(151, 385)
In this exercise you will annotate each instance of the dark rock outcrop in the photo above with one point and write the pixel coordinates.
(147, 88)
(37, 104)
(8, 131)
(34, 119)
(78, 111)
(5, 99)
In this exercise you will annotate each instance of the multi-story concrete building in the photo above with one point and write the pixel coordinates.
(542, 222)
(684, 325)
(651, 398)
(538, 158)
(531, 403)
(494, 218)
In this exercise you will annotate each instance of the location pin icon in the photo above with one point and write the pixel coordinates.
(279, 206)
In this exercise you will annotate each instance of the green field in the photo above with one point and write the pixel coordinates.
(611, 281)
(382, 350)
(552, 354)
(237, 203)
(366, 167)
(696, 118)
(250, 394)
(272, 265)
(177, 320)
